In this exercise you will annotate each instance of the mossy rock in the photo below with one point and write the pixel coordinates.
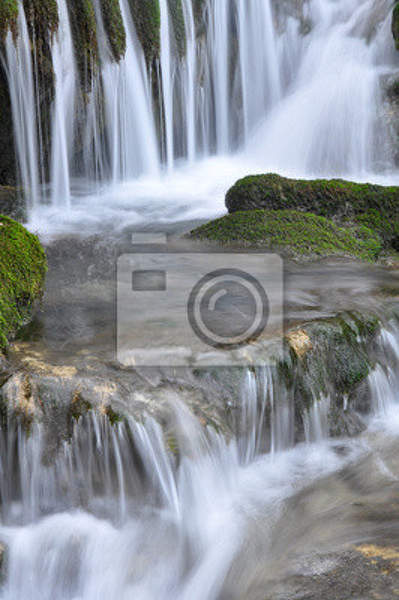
(291, 232)
(8, 18)
(114, 27)
(84, 33)
(147, 20)
(23, 268)
(336, 199)
(395, 25)
(336, 365)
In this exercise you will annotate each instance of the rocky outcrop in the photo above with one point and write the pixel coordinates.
(325, 367)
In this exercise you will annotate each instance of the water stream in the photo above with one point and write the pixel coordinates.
(166, 508)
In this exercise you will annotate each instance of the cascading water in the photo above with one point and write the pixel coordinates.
(64, 109)
(292, 88)
(126, 510)
(19, 70)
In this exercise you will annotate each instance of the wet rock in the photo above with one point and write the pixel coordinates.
(12, 203)
(395, 25)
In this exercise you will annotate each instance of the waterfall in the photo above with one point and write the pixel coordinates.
(189, 79)
(22, 92)
(168, 78)
(63, 110)
(95, 513)
(291, 88)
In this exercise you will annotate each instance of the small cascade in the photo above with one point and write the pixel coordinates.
(219, 68)
(128, 120)
(259, 72)
(190, 83)
(168, 79)
(384, 380)
(19, 70)
(63, 109)
(96, 511)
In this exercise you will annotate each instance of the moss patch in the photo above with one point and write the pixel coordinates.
(23, 268)
(8, 18)
(290, 231)
(84, 32)
(114, 27)
(147, 19)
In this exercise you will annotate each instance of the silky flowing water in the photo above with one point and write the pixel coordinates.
(124, 510)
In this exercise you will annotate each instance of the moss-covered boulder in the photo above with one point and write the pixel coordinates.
(147, 20)
(22, 272)
(291, 232)
(395, 25)
(337, 199)
(114, 27)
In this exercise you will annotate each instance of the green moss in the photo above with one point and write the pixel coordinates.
(114, 27)
(293, 232)
(78, 408)
(147, 20)
(395, 25)
(113, 416)
(22, 272)
(386, 228)
(177, 17)
(84, 33)
(8, 18)
(338, 199)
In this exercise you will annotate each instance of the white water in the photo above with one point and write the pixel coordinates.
(253, 92)
(116, 513)
(64, 109)
(22, 93)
